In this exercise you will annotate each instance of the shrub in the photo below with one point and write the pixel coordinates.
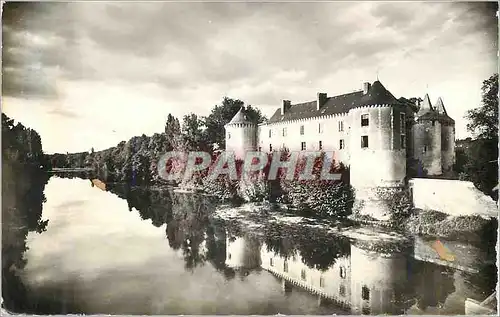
(322, 198)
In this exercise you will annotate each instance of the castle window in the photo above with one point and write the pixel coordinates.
(342, 272)
(270, 147)
(341, 126)
(320, 145)
(342, 144)
(301, 130)
(402, 123)
(365, 293)
(229, 256)
(303, 274)
(260, 148)
(364, 142)
(425, 148)
(403, 141)
(364, 120)
(320, 127)
(270, 132)
(342, 290)
(303, 146)
(229, 135)
(433, 122)
(284, 131)
(321, 281)
(271, 262)
(285, 266)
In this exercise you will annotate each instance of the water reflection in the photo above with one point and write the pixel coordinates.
(168, 255)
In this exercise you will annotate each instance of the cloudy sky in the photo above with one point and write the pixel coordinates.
(93, 74)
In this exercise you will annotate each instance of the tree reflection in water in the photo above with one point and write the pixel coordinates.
(199, 238)
(22, 200)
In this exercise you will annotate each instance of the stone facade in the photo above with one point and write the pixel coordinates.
(370, 131)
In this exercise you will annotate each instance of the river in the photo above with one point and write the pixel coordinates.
(124, 251)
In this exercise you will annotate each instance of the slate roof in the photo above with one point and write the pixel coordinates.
(438, 112)
(239, 117)
(377, 95)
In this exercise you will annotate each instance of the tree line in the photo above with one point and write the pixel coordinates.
(135, 160)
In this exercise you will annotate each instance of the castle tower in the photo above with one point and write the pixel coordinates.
(427, 139)
(377, 282)
(378, 146)
(241, 134)
(447, 137)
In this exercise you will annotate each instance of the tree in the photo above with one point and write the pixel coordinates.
(222, 114)
(192, 132)
(480, 164)
(173, 132)
(483, 121)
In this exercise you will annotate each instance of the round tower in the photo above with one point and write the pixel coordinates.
(377, 281)
(241, 134)
(427, 139)
(447, 137)
(378, 139)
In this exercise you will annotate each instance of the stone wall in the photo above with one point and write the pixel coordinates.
(447, 147)
(240, 138)
(427, 146)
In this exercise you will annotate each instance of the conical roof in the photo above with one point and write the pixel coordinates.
(378, 95)
(440, 106)
(426, 106)
(240, 117)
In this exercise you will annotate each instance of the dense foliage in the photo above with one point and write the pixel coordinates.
(23, 182)
(477, 158)
(21, 144)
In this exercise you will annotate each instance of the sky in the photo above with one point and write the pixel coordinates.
(93, 74)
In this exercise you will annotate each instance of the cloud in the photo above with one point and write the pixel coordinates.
(63, 113)
(192, 54)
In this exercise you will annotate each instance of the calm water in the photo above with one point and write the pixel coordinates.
(126, 251)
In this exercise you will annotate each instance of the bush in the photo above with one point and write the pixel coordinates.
(399, 204)
(434, 223)
(322, 198)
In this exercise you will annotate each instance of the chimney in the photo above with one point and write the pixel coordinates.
(285, 106)
(366, 88)
(321, 100)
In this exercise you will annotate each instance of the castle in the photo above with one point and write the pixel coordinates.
(370, 131)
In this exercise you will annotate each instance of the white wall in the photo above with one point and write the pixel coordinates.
(383, 163)
(330, 136)
(452, 197)
(241, 138)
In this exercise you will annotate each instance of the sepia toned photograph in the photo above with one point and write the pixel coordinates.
(249, 158)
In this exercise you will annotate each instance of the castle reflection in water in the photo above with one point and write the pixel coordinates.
(361, 281)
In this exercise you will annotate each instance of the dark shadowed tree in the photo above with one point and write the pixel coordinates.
(481, 162)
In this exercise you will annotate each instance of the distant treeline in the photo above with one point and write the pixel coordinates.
(134, 161)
